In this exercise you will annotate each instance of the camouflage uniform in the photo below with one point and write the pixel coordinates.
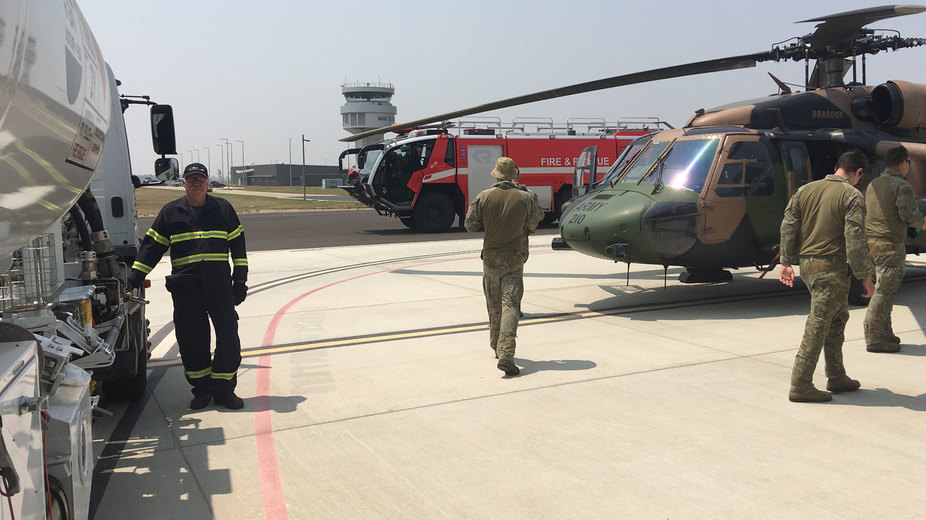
(507, 212)
(823, 226)
(891, 209)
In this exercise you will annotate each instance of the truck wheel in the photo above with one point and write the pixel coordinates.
(433, 213)
(57, 504)
(132, 387)
(129, 388)
(408, 222)
(562, 197)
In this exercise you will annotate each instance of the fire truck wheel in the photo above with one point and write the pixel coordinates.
(561, 198)
(433, 213)
(408, 221)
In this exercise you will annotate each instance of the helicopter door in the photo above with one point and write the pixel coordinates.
(742, 184)
(797, 162)
(586, 166)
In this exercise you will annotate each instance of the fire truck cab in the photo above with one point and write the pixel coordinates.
(427, 177)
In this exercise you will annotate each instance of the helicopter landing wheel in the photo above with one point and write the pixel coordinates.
(705, 275)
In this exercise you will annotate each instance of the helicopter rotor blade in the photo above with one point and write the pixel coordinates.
(838, 30)
(676, 71)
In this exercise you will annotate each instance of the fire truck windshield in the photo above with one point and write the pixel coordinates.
(395, 168)
(367, 158)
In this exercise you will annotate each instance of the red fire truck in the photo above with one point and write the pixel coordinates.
(427, 177)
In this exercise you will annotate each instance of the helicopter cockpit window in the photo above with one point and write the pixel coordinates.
(626, 157)
(647, 158)
(747, 171)
(688, 164)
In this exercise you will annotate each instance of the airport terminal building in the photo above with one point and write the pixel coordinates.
(285, 175)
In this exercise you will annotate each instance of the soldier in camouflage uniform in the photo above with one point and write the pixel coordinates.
(508, 212)
(823, 226)
(892, 209)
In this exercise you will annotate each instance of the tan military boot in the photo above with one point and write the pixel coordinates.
(892, 338)
(883, 347)
(842, 383)
(507, 366)
(808, 394)
(802, 389)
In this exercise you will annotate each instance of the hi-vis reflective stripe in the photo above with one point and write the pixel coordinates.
(159, 238)
(198, 374)
(240, 262)
(142, 267)
(236, 233)
(196, 235)
(205, 257)
(227, 377)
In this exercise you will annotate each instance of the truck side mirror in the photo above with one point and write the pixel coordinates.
(162, 130)
(167, 169)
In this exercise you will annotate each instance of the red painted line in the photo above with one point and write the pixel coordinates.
(268, 470)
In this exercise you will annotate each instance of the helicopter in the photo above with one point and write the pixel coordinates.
(711, 195)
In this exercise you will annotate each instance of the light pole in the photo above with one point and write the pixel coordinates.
(304, 140)
(290, 164)
(228, 144)
(222, 156)
(208, 158)
(242, 150)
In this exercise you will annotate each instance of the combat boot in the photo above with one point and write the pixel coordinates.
(892, 338)
(802, 389)
(883, 347)
(808, 394)
(507, 366)
(842, 383)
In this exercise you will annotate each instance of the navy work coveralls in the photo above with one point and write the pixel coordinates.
(200, 283)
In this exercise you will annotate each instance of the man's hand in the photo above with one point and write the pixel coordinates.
(240, 290)
(868, 287)
(786, 275)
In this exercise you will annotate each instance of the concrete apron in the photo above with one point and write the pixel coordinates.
(370, 393)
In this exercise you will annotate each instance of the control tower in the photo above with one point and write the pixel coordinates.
(368, 106)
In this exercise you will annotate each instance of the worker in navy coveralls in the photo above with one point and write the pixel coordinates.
(201, 230)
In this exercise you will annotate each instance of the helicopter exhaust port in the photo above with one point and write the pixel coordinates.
(899, 104)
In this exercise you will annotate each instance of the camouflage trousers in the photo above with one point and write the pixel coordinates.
(889, 260)
(503, 286)
(826, 324)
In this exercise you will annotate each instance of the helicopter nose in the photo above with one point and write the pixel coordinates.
(606, 224)
(671, 227)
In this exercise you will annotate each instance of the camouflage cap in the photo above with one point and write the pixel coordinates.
(505, 169)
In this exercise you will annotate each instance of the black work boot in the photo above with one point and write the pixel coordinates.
(507, 366)
(200, 401)
(230, 401)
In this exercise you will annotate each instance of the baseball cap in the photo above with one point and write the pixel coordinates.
(195, 169)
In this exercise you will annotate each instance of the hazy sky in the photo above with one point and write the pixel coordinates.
(263, 72)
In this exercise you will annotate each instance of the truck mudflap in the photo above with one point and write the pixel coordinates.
(364, 193)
